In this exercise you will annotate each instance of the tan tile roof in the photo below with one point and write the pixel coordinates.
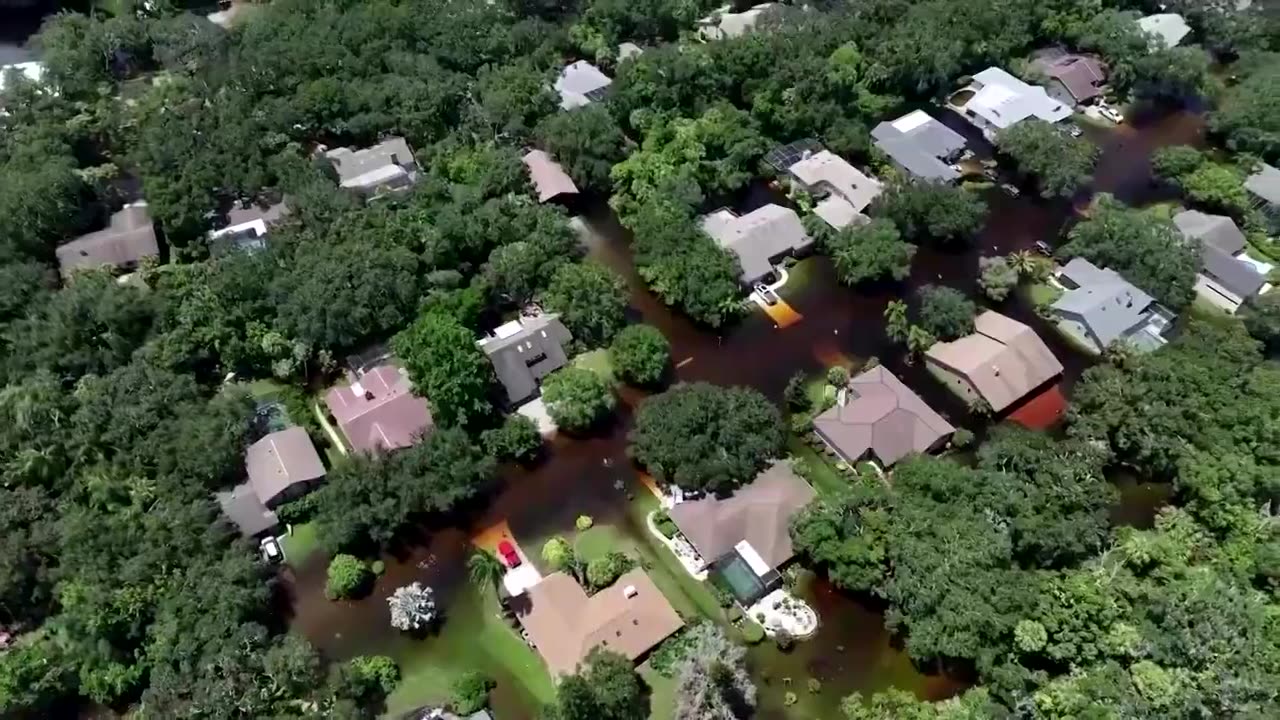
(385, 416)
(564, 624)
(759, 512)
(549, 179)
(1003, 359)
(881, 415)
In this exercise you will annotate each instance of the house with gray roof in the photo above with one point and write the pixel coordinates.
(876, 416)
(723, 23)
(526, 350)
(920, 145)
(1100, 307)
(759, 239)
(1228, 276)
(283, 466)
(581, 83)
(1165, 30)
(246, 226)
(129, 237)
(845, 190)
(1264, 186)
(386, 166)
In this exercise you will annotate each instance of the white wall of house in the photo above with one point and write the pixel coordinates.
(1216, 295)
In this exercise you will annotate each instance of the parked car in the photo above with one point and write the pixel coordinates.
(1010, 190)
(1074, 130)
(1111, 114)
(768, 296)
(509, 555)
(271, 551)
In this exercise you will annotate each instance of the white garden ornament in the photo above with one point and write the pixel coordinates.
(413, 607)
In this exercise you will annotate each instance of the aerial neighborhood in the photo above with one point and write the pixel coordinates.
(433, 359)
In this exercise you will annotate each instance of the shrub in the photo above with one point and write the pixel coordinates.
(723, 597)
(665, 524)
(604, 571)
(790, 699)
(517, 439)
(583, 523)
(641, 355)
(347, 577)
(557, 553)
(296, 512)
(784, 640)
(752, 633)
(378, 567)
(815, 686)
(577, 398)
(471, 692)
(962, 438)
(837, 376)
(375, 674)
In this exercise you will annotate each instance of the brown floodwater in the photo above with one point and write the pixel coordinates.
(852, 651)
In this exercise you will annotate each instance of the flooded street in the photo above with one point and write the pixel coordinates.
(852, 650)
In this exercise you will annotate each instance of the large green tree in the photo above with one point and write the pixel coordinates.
(869, 252)
(577, 398)
(446, 367)
(706, 437)
(1061, 164)
(591, 300)
(933, 212)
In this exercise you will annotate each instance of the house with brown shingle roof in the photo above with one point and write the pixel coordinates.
(1002, 362)
(1073, 79)
(128, 238)
(549, 179)
(282, 466)
(878, 416)
(630, 617)
(378, 411)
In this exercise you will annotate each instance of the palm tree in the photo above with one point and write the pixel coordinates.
(1024, 263)
(485, 569)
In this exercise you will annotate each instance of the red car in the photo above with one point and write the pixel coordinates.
(509, 554)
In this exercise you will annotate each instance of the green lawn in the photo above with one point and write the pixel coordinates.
(689, 596)
(597, 361)
(662, 701)
(474, 637)
(824, 476)
(1042, 293)
(301, 543)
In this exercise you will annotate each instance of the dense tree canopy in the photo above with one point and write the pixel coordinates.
(706, 437)
(1061, 164)
(591, 300)
(641, 355)
(945, 312)
(873, 251)
(933, 212)
(447, 368)
(577, 398)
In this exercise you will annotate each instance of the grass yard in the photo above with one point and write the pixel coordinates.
(473, 637)
(662, 701)
(597, 361)
(820, 473)
(301, 543)
(1042, 293)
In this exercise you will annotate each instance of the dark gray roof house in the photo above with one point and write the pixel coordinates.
(128, 238)
(1225, 279)
(526, 350)
(388, 165)
(920, 145)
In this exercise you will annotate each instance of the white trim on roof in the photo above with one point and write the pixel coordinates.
(754, 561)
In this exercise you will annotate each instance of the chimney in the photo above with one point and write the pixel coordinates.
(629, 591)
(395, 159)
(368, 395)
